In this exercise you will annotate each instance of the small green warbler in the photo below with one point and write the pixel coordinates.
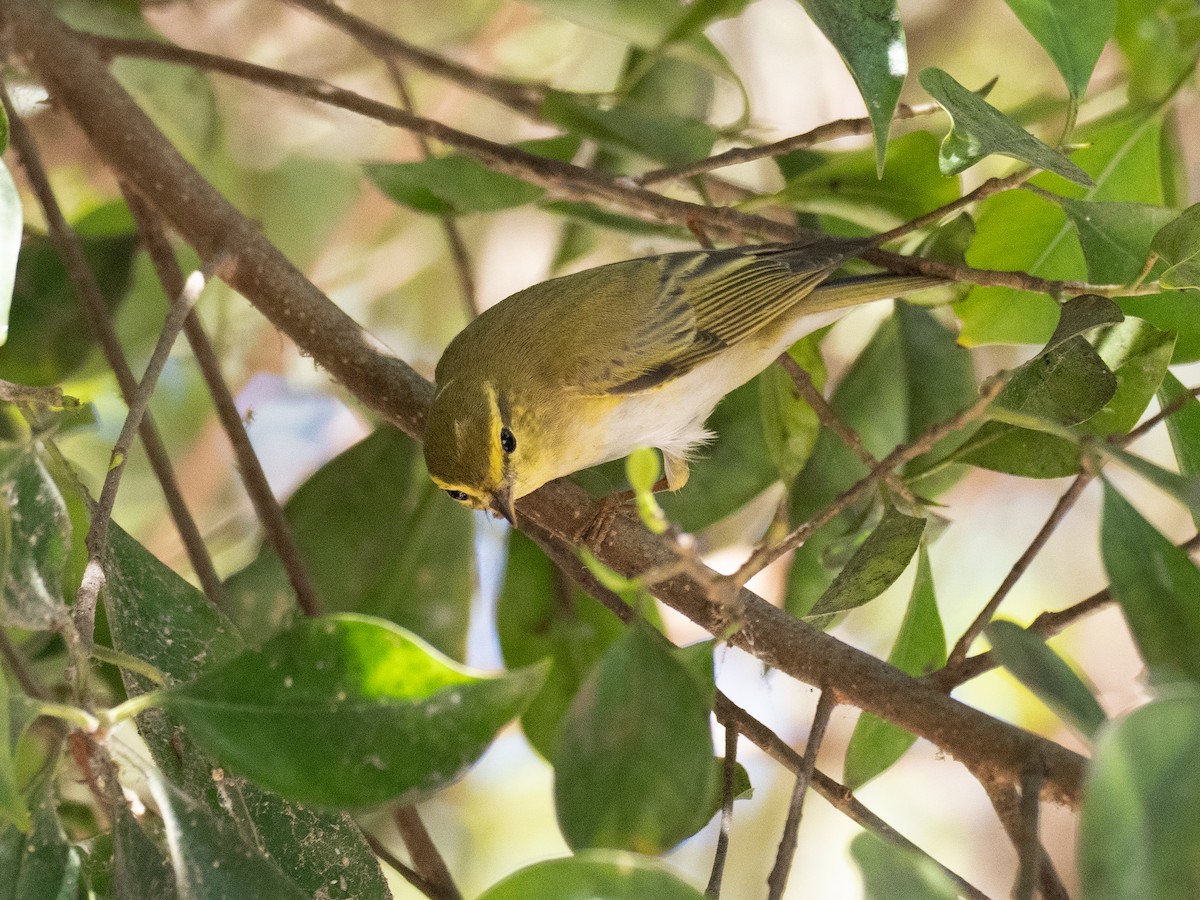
(585, 368)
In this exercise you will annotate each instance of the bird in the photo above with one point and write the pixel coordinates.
(587, 367)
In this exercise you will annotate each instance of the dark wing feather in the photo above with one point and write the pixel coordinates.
(709, 301)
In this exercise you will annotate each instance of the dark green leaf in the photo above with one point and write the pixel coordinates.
(40, 865)
(210, 858)
(155, 615)
(1072, 31)
(1177, 311)
(1044, 672)
(593, 875)
(920, 647)
(37, 537)
(790, 426)
(881, 559)
(870, 39)
(634, 767)
(1115, 237)
(141, 870)
(847, 185)
(663, 137)
(384, 715)
(1138, 354)
(1157, 586)
(979, 130)
(1178, 243)
(1184, 488)
(1083, 313)
(377, 537)
(891, 872)
(49, 337)
(539, 614)
(457, 184)
(11, 229)
(1065, 385)
(1138, 828)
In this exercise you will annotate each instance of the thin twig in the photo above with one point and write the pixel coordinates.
(898, 457)
(522, 97)
(425, 856)
(992, 186)
(721, 853)
(1061, 508)
(570, 182)
(1009, 805)
(96, 539)
(275, 525)
(83, 280)
(406, 872)
(1029, 848)
(454, 239)
(829, 131)
(829, 418)
(777, 880)
(732, 716)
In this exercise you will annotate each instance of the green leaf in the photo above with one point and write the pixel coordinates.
(1065, 385)
(1158, 38)
(49, 337)
(211, 859)
(384, 715)
(1183, 426)
(457, 184)
(541, 613)
(848, 186)
(1043, 671)
(40, 865)
(11, 230)
(920, 647)
(1083, 313)
(1073, 32)
(1138, 828)
(881, 559)
(593, 875)
(790, 426)
(870, 39)
(376, 536)
(587, 214)
(1138, 354)
(37, 536)
(155, 615)
(661, 136)
(891, 872)
(979, 130)
(1176, 311)
(1185, 489)
(1157, 587)
(1178, 243)
(634, 767)
(12, 804)
(1020, 231)
(1115, 236)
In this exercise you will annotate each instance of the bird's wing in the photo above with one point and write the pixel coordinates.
(708, 301)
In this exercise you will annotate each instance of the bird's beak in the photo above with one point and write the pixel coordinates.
(502, 500)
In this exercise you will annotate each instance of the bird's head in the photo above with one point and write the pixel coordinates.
(472, 448)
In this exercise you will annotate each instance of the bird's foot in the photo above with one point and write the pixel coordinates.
(597, 530)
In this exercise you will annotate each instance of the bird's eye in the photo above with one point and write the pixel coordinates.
(508, 443)
(460, 496)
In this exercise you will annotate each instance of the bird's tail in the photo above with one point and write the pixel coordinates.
(864, 288)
